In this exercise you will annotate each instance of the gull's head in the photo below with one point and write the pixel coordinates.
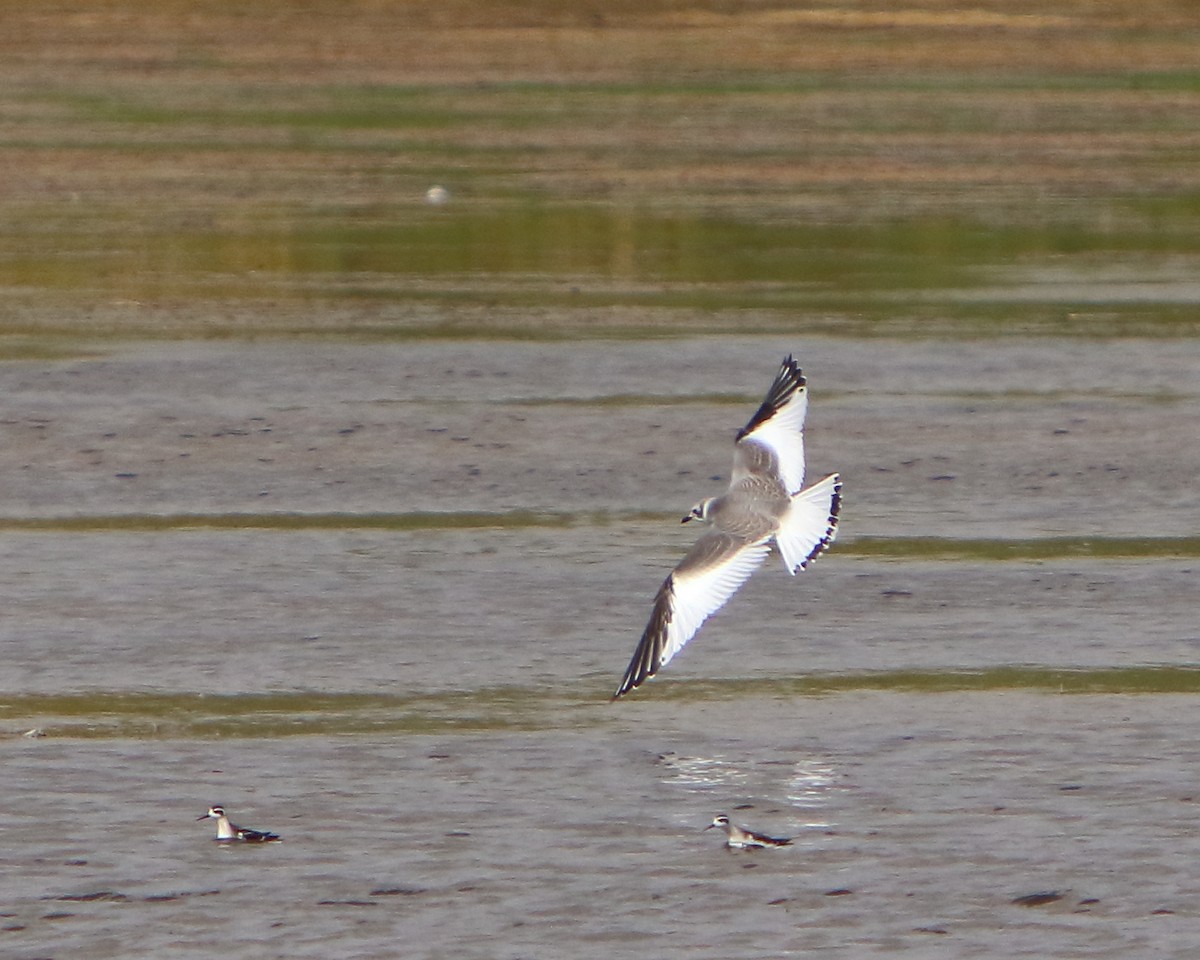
(720, 820)
(215, 812)
(701, 511)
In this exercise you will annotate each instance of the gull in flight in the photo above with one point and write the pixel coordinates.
(764, 505)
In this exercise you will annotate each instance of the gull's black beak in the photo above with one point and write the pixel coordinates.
(687, 518)
(205, 817)
(709, 827)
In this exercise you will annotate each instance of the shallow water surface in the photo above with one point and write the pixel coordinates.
(985, 691)
(918, 820)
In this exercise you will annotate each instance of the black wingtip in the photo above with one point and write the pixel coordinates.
(635, 676)
(647, 656)
(623, 689)
(787, 382)
(835, 504)
(630, 682)
(831, 525)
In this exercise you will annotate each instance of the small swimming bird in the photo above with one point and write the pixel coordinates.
(231, 833)
(740, 838)
(763, 506)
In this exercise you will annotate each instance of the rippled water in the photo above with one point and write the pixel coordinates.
(422, 712)
(918, 820)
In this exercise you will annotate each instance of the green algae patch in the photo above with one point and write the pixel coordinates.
(42, 349)
(881, 548)
(1034, 679)
(575, 705)
(523, 269)
(283, 522)
(1047, 548)
(109, 715)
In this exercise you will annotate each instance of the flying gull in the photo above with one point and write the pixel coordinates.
(765, 505)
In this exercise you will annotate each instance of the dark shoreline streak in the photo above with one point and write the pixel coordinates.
(920, 548)
(121, 715)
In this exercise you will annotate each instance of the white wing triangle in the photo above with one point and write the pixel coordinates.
(705, 579)
(810, 524)
(778, 425)
(783, 434)
(701, 592)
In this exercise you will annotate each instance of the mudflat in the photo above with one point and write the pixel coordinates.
(342, 503)
(374, 598)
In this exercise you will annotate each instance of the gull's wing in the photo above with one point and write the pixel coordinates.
(772, 443)
(705, 579)
(810, 523)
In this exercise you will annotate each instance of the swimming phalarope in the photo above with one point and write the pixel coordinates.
(740, 838)
(230, 832)
(764, 505)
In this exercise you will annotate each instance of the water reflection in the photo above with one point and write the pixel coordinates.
(805, 783)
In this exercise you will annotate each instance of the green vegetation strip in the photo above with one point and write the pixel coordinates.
(1047, 548)
(1106, 680)
(186, 715)
(107, 715)
(898, 548)
(527, 270)
(153, 523)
